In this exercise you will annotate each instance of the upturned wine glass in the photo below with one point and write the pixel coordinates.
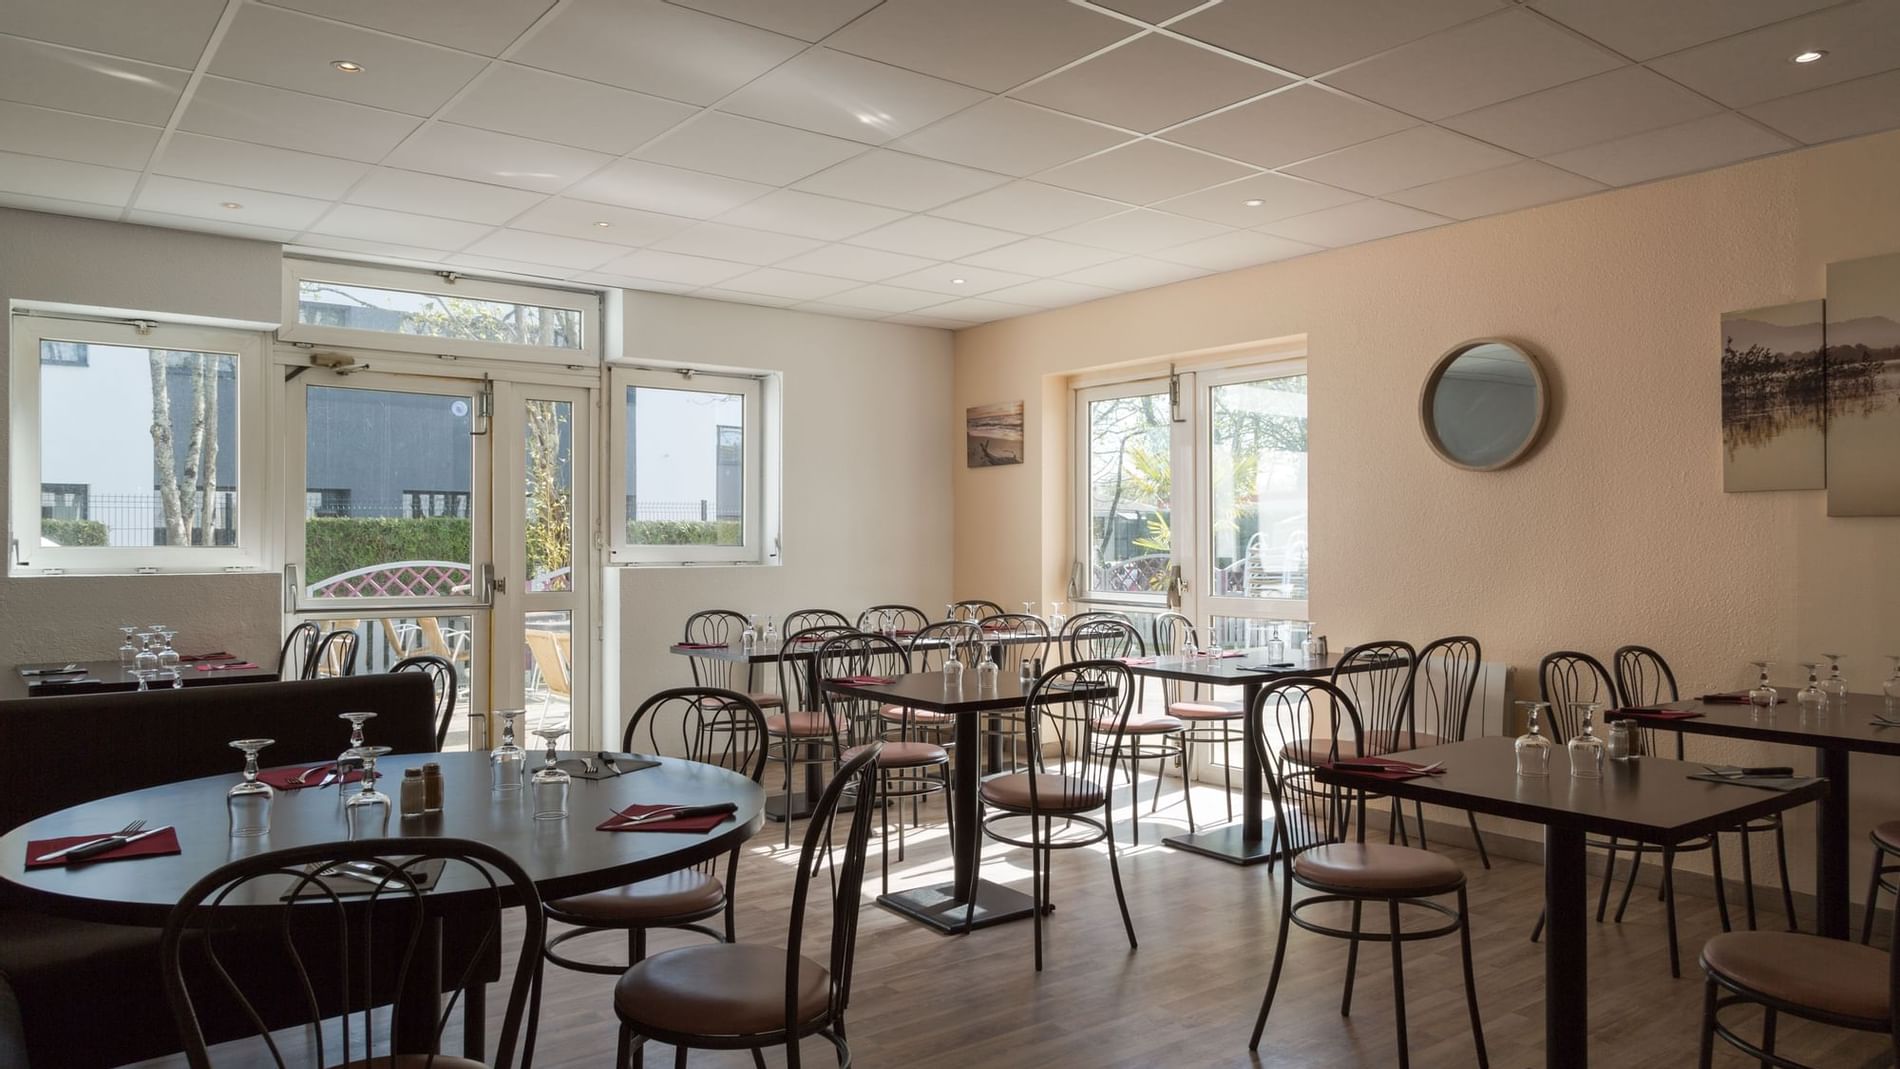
(366, 814)
(167, 653)
(1586, 750)
(1763, 696)
(550, 783)
(128, 652)
(1891, 688)
(1811, 697)
(749, 638)
(349, 757)
(1533, 749)
(249, 801)
(1834, 686)
(147, 656)
(508, 761)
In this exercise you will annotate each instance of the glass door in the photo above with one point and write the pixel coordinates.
(1126, 437)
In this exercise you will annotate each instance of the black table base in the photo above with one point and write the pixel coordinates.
(938, 907)
(1566, 951)
(1229, 843)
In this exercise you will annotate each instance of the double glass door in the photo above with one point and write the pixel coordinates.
(438, 516)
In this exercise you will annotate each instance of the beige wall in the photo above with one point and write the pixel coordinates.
(1616, 530)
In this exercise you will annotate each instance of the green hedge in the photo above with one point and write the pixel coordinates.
(683, 532)
(338, 544)
(74, 532)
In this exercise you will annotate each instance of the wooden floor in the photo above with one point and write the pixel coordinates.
(1188, 996)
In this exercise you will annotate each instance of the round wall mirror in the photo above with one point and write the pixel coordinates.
(1484, 404)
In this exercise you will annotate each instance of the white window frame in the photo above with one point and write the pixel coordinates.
(28, 558)
(1207, 603)
(1147, 383)
(440, 283)
(761, 526)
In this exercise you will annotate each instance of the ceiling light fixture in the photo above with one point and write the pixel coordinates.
(231, 205)
(1255, 203)
(1809, 56)
(956, 282)
(603, 224)
(346, 66)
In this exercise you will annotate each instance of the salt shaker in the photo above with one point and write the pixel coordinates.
(1620, 749)
(412, 793)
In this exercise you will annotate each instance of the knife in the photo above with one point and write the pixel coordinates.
(608, 760)
(70, 669)
(102, 846)
(675, 813)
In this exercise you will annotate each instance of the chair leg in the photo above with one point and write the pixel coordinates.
(1483, 855)
(1767, 1035)
(1873, 895)
(1398, 981)
(1418, 811)
(1705, 1056)
(1669, 908)
(1035, 885)
(1787, 891)
(1187, 785)
(679, 1057)
(758, 1056)
(1538, 928)
(1748, 878)
(1471, 979)
(1279, 959)
(1352, 961)
(623, 1054)
(475, 1022)
(1636, 862)
(1121, 899)
(1609, 877)
(1227, 782)
(790, 748)
(884, 834)
(1721, 888)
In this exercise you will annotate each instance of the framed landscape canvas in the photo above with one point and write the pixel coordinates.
(993, 434)
(1774, 398)
(1863, 372)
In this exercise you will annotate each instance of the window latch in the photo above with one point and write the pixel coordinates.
(52, 571)
(146, 569)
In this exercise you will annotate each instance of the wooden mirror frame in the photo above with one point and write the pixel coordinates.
(1430, 390)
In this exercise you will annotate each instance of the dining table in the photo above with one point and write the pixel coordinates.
(1833, 733)
(1648, 799)
(946, 906)
(563, 857)
(50, 678)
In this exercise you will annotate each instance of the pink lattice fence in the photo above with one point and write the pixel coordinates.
(399, 579)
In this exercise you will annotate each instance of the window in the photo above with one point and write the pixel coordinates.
(133, 446)
(692, 464)
(1127, 437)
(440, 312)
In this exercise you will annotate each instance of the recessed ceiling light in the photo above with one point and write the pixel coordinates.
(1255, 203)
(231, 205)
(346, 66)
(1809, 56)
(956, 282)
(603, 224)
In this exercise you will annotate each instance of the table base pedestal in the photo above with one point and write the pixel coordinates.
(1228, 843)
(938, 907)
(801, 806)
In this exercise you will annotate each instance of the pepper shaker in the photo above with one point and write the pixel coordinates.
(412, 793)
(431, 787)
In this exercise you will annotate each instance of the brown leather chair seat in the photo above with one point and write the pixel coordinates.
(766, 699)
(1307, 752)
(897, 714)
(1140, 725)
(1055, 793)
(1887, 835)
(1378, 869)
(413, 1061)
(1207, 710)
(799, 725)
(1830, 975)
(719, 989)
(685, 893)
(905, 755)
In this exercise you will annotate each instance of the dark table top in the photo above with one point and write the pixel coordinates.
(925, 690)
(804, 650)
(1649, 798)
(1850, 728)
(564, 857)
(1249, 667)
(103, 676)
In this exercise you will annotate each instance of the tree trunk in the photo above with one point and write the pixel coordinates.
(194, 452)
(164, 459)
(208, 477)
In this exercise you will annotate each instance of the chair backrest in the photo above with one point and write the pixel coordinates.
(1069, 735)
(442, 676)
(857, 654)
(1071, 623)
(1105, 639)
(704, 724)
(1443, 687)
(1643, 677)
(1028, 635)
(1173, 631)
(1567, 677)
(1378, 677)
(799, 619)
(905, 619)
(973, 610)
(1306, 812)
(335, 655)
(720, 627)
(931, 645)
(300, 649)
(346, 947)
(550, 653)
(795, 666)
(845, 868)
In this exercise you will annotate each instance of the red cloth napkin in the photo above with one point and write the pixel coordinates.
(1392, 770)
(699, 645)
(865, 680)
(165, 842)
(286, 779)
(906, 631)
(690, 824)
(1656, 714)
(996, 627)
(224, 667)
(1739, 697)
(189, 658)
(1137, 660)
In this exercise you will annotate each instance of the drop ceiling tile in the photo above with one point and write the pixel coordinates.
(484, 26)
(56, 206)
(674, 267)
(1134, 273)
(484, 156)
(807, 20)
(70, 80)
(1692, 146)
(723, 242)
(381, 249)
(1600, 108)
(1520, 185)
(1479, 63)
(211, 226)
(1141, 230)
(1150, 82)
(1350, 224)
(207, 200)
(737, 147)
(1011, 137)
(80, 138)
(863, 265)
(838, 310)
(1304, 121)
(847, 96)
(1645, 29)
(299, 121)
(1050, 293)
(651, 187)
(525, 247)
(518, 100)
(959, 280)
(38, 176)
(896, 180)
(1859, 39)
(1150, 11)
(450, 198)
(1028, 208)
(271, 46)
(1403, 160)
(1040, 256)
(1277, 195)
(173, 33)
(714, 293)
(240, 163)
(939, 239)
(629, 282)
(1311, 36)
(924, 319)
(990, 44)
(1143, 172)
(792, 285)
(375, 224)
(655, 47)
(885, 299)
(499, 267)
(580, 219)
(787, 211)
(981, 310)
(1232, 251)
(1849, 109)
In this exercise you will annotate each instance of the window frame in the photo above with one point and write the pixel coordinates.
(446, 284)
(1206, 382)
(27, 557)
(1085, 396)
(760, 529)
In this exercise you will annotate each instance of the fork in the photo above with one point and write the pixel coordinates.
(132, 828)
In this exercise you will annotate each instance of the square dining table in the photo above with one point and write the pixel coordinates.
(1833, 734)
(1649, 799)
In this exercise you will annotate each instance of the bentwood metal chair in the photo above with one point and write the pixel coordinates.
(1070, 624)
(1886, 840)
(1016, 638)
(300, 648)
(705, 724)
(1065, 782)
(1208, 722)
(349, 943)
(902, 621)
(722, 627)
(799, 619)
(1164, 737)
(1378, 676)
(802, 735)
(335, 656)
(1309, 826)
(1832, 981)
(442, 676)
(973, 610)
(1643, 677)
(744, 996)
(928, 649)
(1442, 689)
